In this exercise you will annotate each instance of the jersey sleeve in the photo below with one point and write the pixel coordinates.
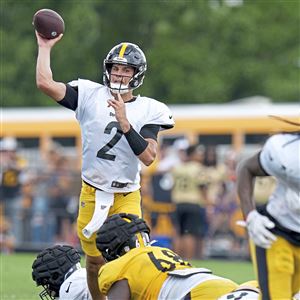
(266, 158)
(70, 100)
(86, 89)
(75, 84)
(161, 115)
(107, 277)
(271, 159)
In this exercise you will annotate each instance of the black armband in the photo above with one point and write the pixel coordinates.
(136, 142)
(71, 98)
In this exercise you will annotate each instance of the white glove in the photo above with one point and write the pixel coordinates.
(258, 226)
(297, 296)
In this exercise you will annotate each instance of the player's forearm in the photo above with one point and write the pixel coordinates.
(44, 78)
(43, 69)
(148, 156)
(124, 124)
(245, 187)
(141, 147)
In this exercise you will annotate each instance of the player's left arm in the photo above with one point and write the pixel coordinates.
(247, 170)
(119, 291)
(149, 154)
(258, 226)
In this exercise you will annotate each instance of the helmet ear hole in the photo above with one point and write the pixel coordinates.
(55, 275)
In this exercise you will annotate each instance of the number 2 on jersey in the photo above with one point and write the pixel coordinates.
(102, 153)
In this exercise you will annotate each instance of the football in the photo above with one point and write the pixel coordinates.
(48, 23)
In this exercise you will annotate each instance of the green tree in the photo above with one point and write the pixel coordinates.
(198, 51)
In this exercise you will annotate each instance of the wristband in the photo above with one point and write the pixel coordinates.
(136, 142)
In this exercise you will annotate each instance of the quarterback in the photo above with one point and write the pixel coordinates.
(274, 229)
(136, 270)
(118, 131)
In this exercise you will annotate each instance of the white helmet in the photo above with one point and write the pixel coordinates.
(242, 295)
(297, 296)
(246, 291)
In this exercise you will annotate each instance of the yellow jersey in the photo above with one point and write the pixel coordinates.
(187, 177)
(144, 268)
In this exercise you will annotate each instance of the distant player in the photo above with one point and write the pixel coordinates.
(274, 228)
(58, 270)
(119, 130)
(189, 195)
(136, 270)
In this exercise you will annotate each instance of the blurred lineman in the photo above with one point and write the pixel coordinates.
(248, 291)
(189, 195)
(138, 271)
(58, 270)
(275, 227)
(66, 280)
(118, 131)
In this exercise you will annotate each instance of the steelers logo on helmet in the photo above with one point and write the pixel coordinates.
(120, 233)
(127, 54)
(52, 267)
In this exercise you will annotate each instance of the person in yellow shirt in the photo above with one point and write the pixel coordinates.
(189, 194)
(136, 270)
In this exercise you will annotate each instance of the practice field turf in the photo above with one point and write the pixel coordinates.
(16, 282)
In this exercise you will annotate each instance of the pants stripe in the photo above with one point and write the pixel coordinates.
(262, 270)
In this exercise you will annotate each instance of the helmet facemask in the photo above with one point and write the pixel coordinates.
(119, 87)
(48, 293)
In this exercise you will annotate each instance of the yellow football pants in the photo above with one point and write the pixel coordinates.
(123, 203)
(212, 289)
(277, 269)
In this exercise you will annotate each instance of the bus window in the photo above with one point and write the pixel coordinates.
(256, 138)
(215, 139)
(28, 142)
(65, 141)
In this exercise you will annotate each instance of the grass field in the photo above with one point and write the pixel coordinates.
(16, 282)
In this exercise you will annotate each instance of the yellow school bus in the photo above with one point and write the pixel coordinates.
(235, 124)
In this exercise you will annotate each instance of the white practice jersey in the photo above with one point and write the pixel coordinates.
(280, 157)
(108, 161)
(75, 287)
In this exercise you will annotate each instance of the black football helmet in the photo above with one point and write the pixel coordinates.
(52, 267)
(125, 54)
(120, 233)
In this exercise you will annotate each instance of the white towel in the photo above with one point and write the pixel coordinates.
(103, 202)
